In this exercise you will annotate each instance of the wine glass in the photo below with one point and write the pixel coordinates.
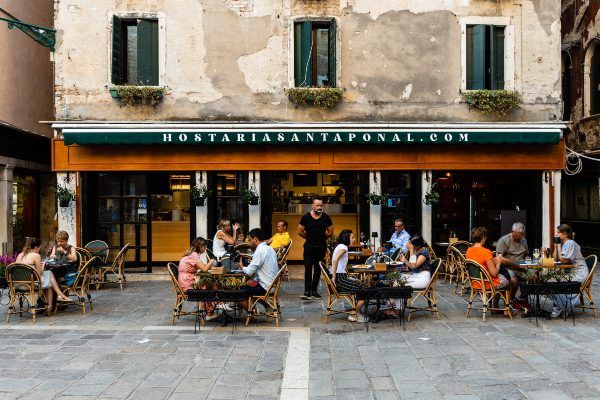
(536, 254)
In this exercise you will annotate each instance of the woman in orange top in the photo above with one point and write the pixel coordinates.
(485, 258)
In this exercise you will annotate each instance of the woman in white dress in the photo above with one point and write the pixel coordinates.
(223, 237)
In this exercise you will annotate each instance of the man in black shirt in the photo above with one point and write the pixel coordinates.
(315, 227)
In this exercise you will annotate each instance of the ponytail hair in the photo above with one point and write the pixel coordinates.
(223, 223)
(344, 237)
(31, 243)
(195, 246)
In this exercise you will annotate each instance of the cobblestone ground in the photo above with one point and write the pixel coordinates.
(127, 348)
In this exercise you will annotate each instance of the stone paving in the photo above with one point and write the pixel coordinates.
(127, 348)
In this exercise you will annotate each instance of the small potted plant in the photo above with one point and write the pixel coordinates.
(199, 193)
(376, 199)
(250, 196)
(64, 195)
(432, 196)
(5, 260)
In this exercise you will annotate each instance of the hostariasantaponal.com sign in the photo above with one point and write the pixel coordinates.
(239, 137)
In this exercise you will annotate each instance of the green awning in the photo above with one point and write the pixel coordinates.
(331, 136)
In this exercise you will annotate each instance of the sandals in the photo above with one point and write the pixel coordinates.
(64, 299)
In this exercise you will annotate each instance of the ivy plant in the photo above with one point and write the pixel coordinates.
(322, 97)
(432, 196)
(376, 198)
(499, 102)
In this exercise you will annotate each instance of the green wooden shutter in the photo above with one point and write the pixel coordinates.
(476, 57)
(117, 78)
(305, 54)
(332, 53)
(147, 52)
(497, 57)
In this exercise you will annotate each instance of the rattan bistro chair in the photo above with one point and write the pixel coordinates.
(586, 285)
(481, 285)
(24, 284)
(116, 268)
(334, 297)
(81, 287)
(459, 270)
(282, 255)
(180, 296)
(270, 301)
(98, 248)
(84, 256)
(428, 293)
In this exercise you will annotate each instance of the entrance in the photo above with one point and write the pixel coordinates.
(494, 200)
(288, 196)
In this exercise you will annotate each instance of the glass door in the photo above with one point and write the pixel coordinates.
(123, 204)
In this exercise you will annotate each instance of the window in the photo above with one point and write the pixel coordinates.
(595, 81)
(315, 53)
(135, 51)
(485, 57)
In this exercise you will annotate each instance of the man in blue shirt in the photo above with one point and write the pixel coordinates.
(399, 238)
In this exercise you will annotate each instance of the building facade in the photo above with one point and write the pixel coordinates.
(27, 205)
(581, 93)
(219, 107)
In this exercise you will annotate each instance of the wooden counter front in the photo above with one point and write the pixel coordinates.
(340, 221)
(170, 239)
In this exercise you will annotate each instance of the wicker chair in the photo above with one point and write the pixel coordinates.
(282, 255)
(428, 293)
(116, 268)
(333, 296)
(81, 287)
(270, 300)
(459, 271)
(481, 285)
(180, 295)
(372, 259)
(84, 256)
(586, 285)
(24, 283)
(98, 248)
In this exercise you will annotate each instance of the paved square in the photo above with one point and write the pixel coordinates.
(127, 349)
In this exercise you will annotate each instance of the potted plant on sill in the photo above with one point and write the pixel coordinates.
(64, 195)
(377, 199)
(199, 193)
(250, 196)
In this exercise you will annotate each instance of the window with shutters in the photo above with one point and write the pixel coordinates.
(485, 57)
(315, 53)
(135, 51)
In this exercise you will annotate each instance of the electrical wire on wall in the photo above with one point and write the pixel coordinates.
(574, 160)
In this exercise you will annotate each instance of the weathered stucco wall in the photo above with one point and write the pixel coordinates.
(232, 60)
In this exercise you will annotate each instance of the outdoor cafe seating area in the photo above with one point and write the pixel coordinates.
(379, 275)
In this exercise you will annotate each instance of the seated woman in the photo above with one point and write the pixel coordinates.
(63, 249)
(568, 251)
(30, 255)
(418, 263)
(339, 274)
(190, 263)
(485, 258)
(223, 237)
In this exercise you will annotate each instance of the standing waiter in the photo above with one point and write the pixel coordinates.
(315, 227)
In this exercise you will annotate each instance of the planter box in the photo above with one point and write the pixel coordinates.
(537, 289)
(399, 292)
(64, 203)
(200, 201)
(254, 201)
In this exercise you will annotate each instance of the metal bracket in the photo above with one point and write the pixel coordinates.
(44, 36)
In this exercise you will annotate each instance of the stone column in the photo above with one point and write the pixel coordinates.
(254, 211)
(546, 238)
(556, 182)
(202, 211)
(67, 216)
(426, 212)
(374, 210)
(6, 205)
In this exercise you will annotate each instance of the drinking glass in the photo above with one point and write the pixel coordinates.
(536, 253)
(528, 260)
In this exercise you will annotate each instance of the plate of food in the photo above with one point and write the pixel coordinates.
(361, 266)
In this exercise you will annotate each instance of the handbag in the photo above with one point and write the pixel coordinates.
(70, 278)
(46, 279)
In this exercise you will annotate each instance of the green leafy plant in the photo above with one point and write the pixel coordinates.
(199, 193)
(206, 280)
(131, 94)
(64, 195)
(499, 102)
(395, 278)
(250, 196)
(376, 198)
(322, 97)
(432, 196)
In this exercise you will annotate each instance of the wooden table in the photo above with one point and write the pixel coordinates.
(523, 265)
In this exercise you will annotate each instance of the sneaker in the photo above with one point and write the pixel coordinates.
(306, 296)
(316, 295)
(361, 318)
(556, 312)
(224, 306)
(352, 318)
(515, 306)
(211, 317)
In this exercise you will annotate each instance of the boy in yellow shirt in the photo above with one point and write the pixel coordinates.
(282, 237)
